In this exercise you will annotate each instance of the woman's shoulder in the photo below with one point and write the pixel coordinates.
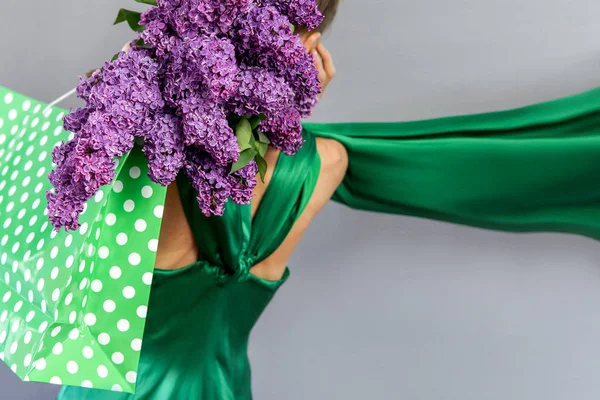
(334, 163)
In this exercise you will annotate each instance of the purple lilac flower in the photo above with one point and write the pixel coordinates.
(300, 12)
(260, 92)
(284, 130)
(207, 59)
(164, 149)
(205, 126)
(243, 183)
(265, 32)
(210, 181)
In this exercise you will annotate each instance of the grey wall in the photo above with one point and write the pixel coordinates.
(393, 307)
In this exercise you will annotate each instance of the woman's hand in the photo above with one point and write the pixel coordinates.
(324, 64)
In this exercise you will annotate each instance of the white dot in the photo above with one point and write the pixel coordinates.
(123, 325)
(68, 240)
(2, 337)
(40, 364)
(46, 126)
(129, 205)
(109, 306)
(103, 339)
(68, 301)
(147, 278)
(122, 239)
(97, 286)
(26, 105)
(153, 245)
(12, 114)
(74, 334)
(135, 259)
(15, 326)
(142, 311)
(19, 305)
(89, 319)
(99, 195)
(39, 264)
(118, 358)
(14, 347)
(117, 388)
(103, 252)
(102, 371)
(88, 352)
(147, 192)
(6, 297)
(72, 367)
(158, 211)
(83, 228)
(70, 261)
(118, 187)
(87, 384)
(140, 225)
(8, 98)
(55, 380)
(54, 252)
(54, 273)
(136, 344)
(40, 284)
(58, 130)
(111, 219)
(35, 204)
(131, 376)
(135, 172)
(27, 338)
(30, 316)
(27, 360)
(115, 272)
(129, 292)
(42, 156)
(55, 331)
(72, 314)
(57, 349)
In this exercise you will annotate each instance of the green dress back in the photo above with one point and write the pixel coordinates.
(200, 317)
(530, 169)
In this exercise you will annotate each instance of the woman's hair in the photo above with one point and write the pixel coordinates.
(329, 9)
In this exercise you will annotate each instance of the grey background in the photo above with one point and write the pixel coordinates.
(386, 306)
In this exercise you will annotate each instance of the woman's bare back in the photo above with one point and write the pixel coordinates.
(177, 247)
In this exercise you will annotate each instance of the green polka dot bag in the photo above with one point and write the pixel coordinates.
(72, 305)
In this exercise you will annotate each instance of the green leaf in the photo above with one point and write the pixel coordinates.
(256, 119)
(150, 2)
(293, 28)
(245, 157)
(262, 166)
(140, 43)
(261, 148)
(263, 138)
(131, 17)
(243, 132)
(115, 56)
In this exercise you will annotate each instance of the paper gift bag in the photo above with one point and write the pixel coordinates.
(72, 304)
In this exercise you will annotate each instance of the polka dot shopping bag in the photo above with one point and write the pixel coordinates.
(72, 304)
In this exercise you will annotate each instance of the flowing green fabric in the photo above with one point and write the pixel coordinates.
(529, 169)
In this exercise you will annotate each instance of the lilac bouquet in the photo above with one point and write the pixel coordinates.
(206, 87)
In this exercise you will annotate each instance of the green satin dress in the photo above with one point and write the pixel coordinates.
(530, 169)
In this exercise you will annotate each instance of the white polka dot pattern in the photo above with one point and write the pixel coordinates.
(72, 304)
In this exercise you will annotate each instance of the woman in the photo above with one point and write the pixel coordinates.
(523, 170)
(214, 276)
